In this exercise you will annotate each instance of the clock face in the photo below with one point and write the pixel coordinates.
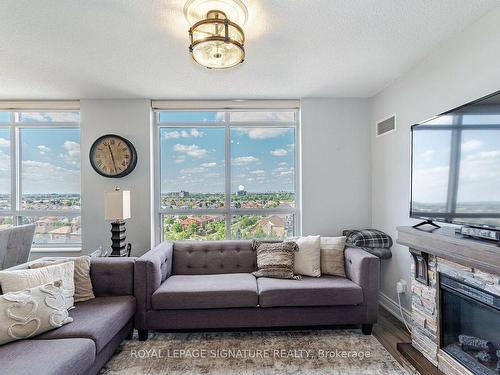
(113, 156)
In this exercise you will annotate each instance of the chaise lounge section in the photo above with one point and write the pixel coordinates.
(86, 344)
(209, 285)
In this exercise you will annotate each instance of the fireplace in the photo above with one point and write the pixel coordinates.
(470, 325)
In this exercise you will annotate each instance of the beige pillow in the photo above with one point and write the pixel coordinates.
(83, 283)
(16, 280)
(29, 312)
(332, 255)
(307, 260)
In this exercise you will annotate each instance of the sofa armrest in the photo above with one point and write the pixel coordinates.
(112, 276)
(364, 269)
(151, 270)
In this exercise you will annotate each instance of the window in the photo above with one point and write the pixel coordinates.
(227, 174)
(40, 175)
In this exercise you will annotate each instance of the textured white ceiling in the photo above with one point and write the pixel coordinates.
(295, 48)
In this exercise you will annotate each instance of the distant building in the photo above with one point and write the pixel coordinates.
(202, 221)
(183, 194)
(273, 225)
(241, 193)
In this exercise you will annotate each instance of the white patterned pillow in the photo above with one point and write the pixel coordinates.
(16, 280)
(29, 312)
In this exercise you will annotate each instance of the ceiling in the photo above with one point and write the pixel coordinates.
(52, 49)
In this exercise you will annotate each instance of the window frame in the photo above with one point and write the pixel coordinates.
(228, 212)
(16, 212)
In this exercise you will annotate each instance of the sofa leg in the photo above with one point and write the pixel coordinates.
(130, 335)
(366, 329)
(143, 334)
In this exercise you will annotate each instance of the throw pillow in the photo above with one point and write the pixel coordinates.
(275, 260)
(332, 255)
(16, 280)
(307, 260)
(32, 311)
(83, 283)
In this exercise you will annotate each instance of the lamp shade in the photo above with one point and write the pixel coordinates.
(117, 205)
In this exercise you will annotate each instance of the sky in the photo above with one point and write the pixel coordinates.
(192, 158)
(50, 157)
(479, 178)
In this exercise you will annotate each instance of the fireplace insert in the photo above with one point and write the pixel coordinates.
(470, 326)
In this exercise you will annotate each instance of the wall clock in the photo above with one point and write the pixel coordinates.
(113, 156)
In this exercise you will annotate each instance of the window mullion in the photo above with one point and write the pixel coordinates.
(227, 166)
(16, 160)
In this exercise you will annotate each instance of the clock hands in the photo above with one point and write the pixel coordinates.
(112, 156)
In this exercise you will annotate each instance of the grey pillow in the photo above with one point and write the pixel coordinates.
(275, 260)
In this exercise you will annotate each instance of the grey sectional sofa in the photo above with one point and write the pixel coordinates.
(86, 344)
(200, 285)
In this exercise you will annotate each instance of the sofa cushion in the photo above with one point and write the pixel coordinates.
(310, 291)
(213, 257)
(206, 292)
(55, 357)
(98, 319)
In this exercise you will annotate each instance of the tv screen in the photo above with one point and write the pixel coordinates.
(456, 166)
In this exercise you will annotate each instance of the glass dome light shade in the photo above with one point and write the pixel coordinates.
(216, 42)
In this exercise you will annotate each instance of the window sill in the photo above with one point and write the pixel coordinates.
(56, 249)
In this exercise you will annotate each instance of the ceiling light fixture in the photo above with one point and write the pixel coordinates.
(216, 36)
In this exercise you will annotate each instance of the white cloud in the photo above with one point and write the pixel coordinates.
(283, 163)
(285, 173)
(195, 133)
(280, 116)
(51, 116)
(4, 142)
(72, 154)
(211, 175)
(263, 133)
(49, 178)
(471, 145)
(208, 165)
(180, 159)
(426, 155)
(244, 160)
(192, 170)
(42, 149)
(279, 152)
(191, 150)
(258, 172)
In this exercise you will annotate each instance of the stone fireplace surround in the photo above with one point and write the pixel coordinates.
(471, 261)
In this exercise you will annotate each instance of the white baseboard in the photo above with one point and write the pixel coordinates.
(392, 306)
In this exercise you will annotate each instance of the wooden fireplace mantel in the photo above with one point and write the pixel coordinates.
(445, 243)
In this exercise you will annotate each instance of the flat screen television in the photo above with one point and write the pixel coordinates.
(455, 166)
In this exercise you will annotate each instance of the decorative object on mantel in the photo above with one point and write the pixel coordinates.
(373, 241)
(117, 209)
(420, 261)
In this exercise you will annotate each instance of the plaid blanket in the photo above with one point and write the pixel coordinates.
(367, 238)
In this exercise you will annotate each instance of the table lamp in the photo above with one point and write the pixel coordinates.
(117, 209)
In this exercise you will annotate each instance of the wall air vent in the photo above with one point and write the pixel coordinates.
(386, 126)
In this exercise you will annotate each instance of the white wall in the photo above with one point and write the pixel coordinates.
(462, 69)
(129, 119)
(335, 165)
